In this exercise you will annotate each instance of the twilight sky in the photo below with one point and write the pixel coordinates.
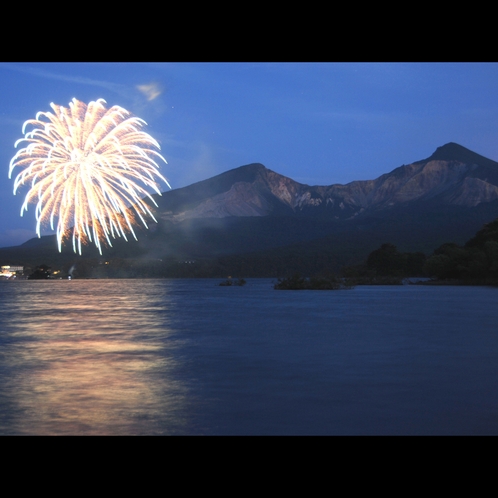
(317, 123)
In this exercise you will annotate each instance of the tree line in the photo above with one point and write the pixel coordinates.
(474, 262)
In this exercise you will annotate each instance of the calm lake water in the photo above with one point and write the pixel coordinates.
(191, 357)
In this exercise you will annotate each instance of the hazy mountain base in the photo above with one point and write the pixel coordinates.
(218, 248)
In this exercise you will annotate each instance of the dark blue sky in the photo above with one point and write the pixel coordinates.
(316, 123)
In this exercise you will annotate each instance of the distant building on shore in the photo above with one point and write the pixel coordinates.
(8, 271)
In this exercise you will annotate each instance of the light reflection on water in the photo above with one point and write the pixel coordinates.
(190, 357)
(88, 357)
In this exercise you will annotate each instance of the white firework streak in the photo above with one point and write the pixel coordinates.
(87, 166)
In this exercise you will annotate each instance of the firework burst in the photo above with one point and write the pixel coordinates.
(89, 168)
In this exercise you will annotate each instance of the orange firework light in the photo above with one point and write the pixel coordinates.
(88, 167)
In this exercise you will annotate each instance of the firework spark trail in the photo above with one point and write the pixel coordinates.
(86, 166)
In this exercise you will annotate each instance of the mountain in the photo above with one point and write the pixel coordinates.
(453, 175)
(271, 223)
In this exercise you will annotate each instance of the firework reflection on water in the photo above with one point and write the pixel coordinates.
(91, 360)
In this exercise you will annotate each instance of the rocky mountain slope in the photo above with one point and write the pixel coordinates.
(453, 175)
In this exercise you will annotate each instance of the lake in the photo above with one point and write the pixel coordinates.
(188, 357)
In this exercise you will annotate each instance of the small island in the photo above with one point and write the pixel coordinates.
(230, 283)
(296, 282)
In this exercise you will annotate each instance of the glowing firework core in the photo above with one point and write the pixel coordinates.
(86, 166)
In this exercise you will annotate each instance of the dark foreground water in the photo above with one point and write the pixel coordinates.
(190, 357)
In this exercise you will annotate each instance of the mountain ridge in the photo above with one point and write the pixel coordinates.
(458, 175)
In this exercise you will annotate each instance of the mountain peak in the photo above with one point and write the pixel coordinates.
(455, 152)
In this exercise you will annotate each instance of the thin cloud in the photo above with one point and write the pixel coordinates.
(43, 73)
(151, 90)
